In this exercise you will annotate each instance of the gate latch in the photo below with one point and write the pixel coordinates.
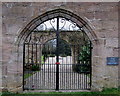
(57, 63)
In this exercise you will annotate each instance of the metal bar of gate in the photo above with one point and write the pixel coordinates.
(90, 63)
(23, 65)
(57, 55)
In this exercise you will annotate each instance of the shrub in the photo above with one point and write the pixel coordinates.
(51, 55)
(35, 68)
(81, 68)
(63, 55)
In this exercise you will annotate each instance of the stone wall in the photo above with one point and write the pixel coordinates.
(102, 17)
(119, 44)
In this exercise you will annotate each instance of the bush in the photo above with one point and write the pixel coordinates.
(35, 68)
(81, 68)
(84, 69)
(51, 55)
(63, 55)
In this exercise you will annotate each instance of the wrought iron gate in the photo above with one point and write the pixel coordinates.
(57, 55)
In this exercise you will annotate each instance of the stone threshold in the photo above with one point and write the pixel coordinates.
(26, 91)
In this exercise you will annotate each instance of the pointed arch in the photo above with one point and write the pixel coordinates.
(82, 23)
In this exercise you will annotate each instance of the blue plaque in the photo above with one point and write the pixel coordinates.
(112, 60)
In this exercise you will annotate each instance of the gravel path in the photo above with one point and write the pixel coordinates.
(46, 77)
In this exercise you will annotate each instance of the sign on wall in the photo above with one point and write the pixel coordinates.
(112, 60)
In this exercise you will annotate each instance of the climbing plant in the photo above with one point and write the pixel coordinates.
(83, 65)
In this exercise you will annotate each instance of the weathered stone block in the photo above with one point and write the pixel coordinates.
(112, 42)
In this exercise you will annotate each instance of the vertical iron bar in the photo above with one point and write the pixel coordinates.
(78, 64)
(70, 73)
(51, 73)
(47, 71)
(64, 74)
(32, 65)
(57, 56)
(67, 75)
(23, 64)
(87, 76)
(36, 55)
(80, 78)
(72, 46)
(40, 75)
(90, 64)
(28, 54)
(83, 76)
(74, 67)
(36, 82)
(44, 74)
(86, 62)
(28, 60)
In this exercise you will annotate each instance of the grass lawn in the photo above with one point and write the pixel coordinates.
(27, 75)
(105, 92)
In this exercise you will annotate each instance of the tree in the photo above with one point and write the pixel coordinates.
(50, 47)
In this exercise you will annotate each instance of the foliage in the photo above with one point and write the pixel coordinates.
(82, 68)
(26, 75)
(51, 48)
(85, 53)
(64, 48)
(51, 55)
(42, 59)
(84, 57)
(35, 68)
(31, 66)
(63, 55)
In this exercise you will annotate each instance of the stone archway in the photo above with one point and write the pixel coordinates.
(93, 16)
(49, 15)
(52, 14)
